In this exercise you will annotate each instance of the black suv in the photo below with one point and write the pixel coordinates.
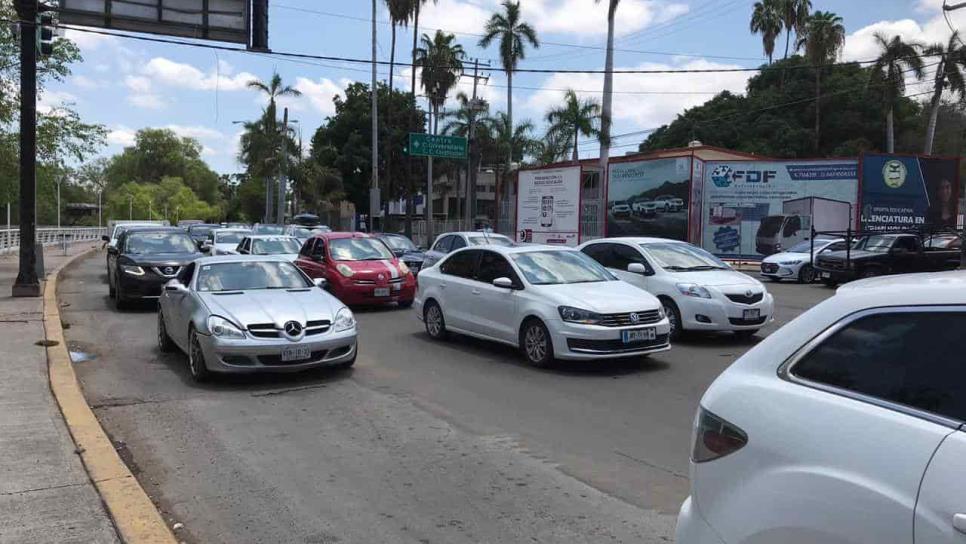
(144, 260)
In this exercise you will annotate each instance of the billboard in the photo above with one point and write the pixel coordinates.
(905, 192)
(649, 198)
(755, 208)
(548, 206)
(696, 201)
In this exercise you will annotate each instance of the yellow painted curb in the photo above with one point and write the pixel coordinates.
(135, 516)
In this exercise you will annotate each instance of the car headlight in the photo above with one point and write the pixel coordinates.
(576, 315)
(222, 328)
(660, 312)
(345, 270)
(403, 268)
(344, 320)
(133, 270)
(693, 290)
(791, 263)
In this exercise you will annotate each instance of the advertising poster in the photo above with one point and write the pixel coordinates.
(696, 201)
(752, 209)
(903, 193)
(548, 204)
(649, 198)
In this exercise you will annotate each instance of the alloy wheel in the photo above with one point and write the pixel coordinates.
(672, 318)
(434, 321)
(535, 343)
(196, 357)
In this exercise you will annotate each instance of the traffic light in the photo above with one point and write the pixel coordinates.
(45, 33)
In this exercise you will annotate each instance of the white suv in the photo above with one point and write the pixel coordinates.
(845, 426)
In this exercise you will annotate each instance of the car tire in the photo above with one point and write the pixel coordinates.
(536, 344)
(120, 303)
(196, 359)
(434, 321)
(746, 334)
(806, 274)
(164, 340)
(111, 291)
(674, 317)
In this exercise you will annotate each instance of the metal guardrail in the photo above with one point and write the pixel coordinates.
(50, 236)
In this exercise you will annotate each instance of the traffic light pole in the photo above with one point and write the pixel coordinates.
(27, 283)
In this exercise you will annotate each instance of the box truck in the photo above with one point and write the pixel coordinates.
(777, 232)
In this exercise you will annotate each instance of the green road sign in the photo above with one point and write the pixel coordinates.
(440, 147)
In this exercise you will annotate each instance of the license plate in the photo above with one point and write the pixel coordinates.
(638, 335)
(295, 353)
(825, 275)
(381, 292)
(751, 314)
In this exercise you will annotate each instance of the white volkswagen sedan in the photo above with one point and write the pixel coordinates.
(846, 426)
(551, 302)
(795, 263)
(698, 290)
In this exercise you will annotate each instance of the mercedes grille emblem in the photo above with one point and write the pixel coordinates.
(293, 329)
(635, 318)
(168, 270)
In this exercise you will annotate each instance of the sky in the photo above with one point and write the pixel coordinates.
(127, 85)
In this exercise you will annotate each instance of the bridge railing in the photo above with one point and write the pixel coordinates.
(50, 236)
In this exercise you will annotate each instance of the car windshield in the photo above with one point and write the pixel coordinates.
(682, 257)
(200, 232)
(399, 242)
(806, 246)
(490, 239)
(553, 267)
(359, 249)
(276, 245)
(159, 242)
(879, 244)
(268, 229)
(301, 232)
(229, 237)
(771, 225)
(244, 276)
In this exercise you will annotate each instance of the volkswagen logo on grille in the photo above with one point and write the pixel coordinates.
(635, 318)
(168, 270)
(293, 329)
(748, 293)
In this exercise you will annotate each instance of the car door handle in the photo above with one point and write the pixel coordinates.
(442, 286)
(959, 522)
(476, 291)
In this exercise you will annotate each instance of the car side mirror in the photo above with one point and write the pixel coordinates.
(503, 283)
(638, 268)
(317, 257)
(106, 238)
(321, 283)
(175, 287)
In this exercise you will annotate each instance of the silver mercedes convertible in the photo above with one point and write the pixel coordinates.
(240, 313)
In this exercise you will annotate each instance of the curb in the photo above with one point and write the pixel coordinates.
(136, 518)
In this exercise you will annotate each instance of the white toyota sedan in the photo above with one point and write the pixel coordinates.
(697, 290)
(554, 303)
(795, 263)
(845, 426)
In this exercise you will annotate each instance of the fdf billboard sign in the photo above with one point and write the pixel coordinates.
(548, 206)
(906, 192)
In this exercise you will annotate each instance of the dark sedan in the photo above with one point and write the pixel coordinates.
(144, 260)
(199, 232)
(404, 249)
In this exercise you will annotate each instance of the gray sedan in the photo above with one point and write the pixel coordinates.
(240, 314)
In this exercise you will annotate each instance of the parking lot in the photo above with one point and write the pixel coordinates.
(421, 441)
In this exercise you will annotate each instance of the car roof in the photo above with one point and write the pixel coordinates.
(241, 258)
(638, 240)
(471, 233)
(150, 228)
(226, 229)
(340, 235)
(265, 236)
(509, 250)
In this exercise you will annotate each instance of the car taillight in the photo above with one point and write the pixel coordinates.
(714, 437)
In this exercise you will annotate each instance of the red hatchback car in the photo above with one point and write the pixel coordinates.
(359, 269)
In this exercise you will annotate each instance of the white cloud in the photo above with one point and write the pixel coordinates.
(51, 100)
(642, 110)
(88, 41)
(146, 101)
(186, 76)
(320, 93)
(138, 84)
(122, 136)
(85, 82)
(197, 132)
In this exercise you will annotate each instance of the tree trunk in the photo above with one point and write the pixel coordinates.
(411, 197)
(576, 136)
(890, 131)
(934, 112)
(818, 107)
(509, 117)
(607, 107)
(788, 38)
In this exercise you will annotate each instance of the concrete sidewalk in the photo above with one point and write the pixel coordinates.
(46, 495)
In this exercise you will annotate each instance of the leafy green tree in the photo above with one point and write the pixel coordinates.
(513, 35)
(574, 118)
(896, 59)
(151, 200)
(948, 77)
(766, 19)
(822, 36)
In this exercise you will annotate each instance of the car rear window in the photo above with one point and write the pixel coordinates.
(908, 358)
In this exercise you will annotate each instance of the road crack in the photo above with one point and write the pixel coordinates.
(652, 465)
(288, 390)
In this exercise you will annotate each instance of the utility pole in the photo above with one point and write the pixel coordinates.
(476, 106)
(60, 180)
(375, 204)
(100, 208)
(27, 283)
(283, 174)
(428, 199)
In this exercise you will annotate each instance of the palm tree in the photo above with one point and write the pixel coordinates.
(822, 36)
(949, 76)
(460, 118)
(410, 201)
(895, 59)
(574, 119)
(514, 35)
(399, 13)
(795, 16)
(515, 143)
(554, 147)
(441, 64)
(274, 90)
(766, 19)
(605, 118)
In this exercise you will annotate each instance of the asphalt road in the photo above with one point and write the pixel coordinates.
(420, 442)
